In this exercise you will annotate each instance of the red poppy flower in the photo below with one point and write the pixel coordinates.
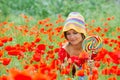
(15, 52)
(1, 44)
(80, 73)
(115, 56)
(41, 47)
(56, 50)
(106, 71)
(8, 48)
(95, 71)
(113, 69)
(66, 70)
(37, 57)
(101, 54)
(4, 77)
(50, 46)
(112, 78)
(37, 40)
(118, 37)
(98, 29)
(108, 18)
(6, 61)
(20, 75)
(4, 39)
(118, 72)
(10, 39)
(105, 29)
(97, 64)
(105, 40)
(1, 52)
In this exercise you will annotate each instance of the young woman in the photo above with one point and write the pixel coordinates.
(75, 32)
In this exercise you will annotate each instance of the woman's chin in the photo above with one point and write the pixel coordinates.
(74, 44)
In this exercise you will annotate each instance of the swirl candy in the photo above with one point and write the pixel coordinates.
(92, 43)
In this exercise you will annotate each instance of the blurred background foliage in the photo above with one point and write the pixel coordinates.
(47, 8)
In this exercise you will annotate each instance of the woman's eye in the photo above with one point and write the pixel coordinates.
(67, 33)
(75, 33)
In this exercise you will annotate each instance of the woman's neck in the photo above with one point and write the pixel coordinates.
(74, 49)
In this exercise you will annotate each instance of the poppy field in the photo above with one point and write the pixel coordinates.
(29, 46)
(30, 53)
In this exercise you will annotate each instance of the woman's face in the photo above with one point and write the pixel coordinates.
(74, 37)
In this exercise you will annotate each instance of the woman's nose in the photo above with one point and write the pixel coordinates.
(72, 36)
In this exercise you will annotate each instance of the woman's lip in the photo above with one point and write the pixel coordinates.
(72, 40)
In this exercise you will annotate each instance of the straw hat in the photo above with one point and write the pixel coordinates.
(75, 21)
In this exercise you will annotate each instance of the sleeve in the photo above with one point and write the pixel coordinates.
(62, 54)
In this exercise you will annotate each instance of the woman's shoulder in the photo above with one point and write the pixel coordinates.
(65, 45)
(62, 49)
(63, 52)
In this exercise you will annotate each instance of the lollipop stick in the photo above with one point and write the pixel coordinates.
(90, 63)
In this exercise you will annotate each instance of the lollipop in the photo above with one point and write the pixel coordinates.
(92, 43)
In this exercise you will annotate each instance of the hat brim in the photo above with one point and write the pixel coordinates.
(76, 28)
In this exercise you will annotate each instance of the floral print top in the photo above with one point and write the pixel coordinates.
(78, 60)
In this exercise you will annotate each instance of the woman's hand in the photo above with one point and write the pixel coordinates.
(91, 65)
